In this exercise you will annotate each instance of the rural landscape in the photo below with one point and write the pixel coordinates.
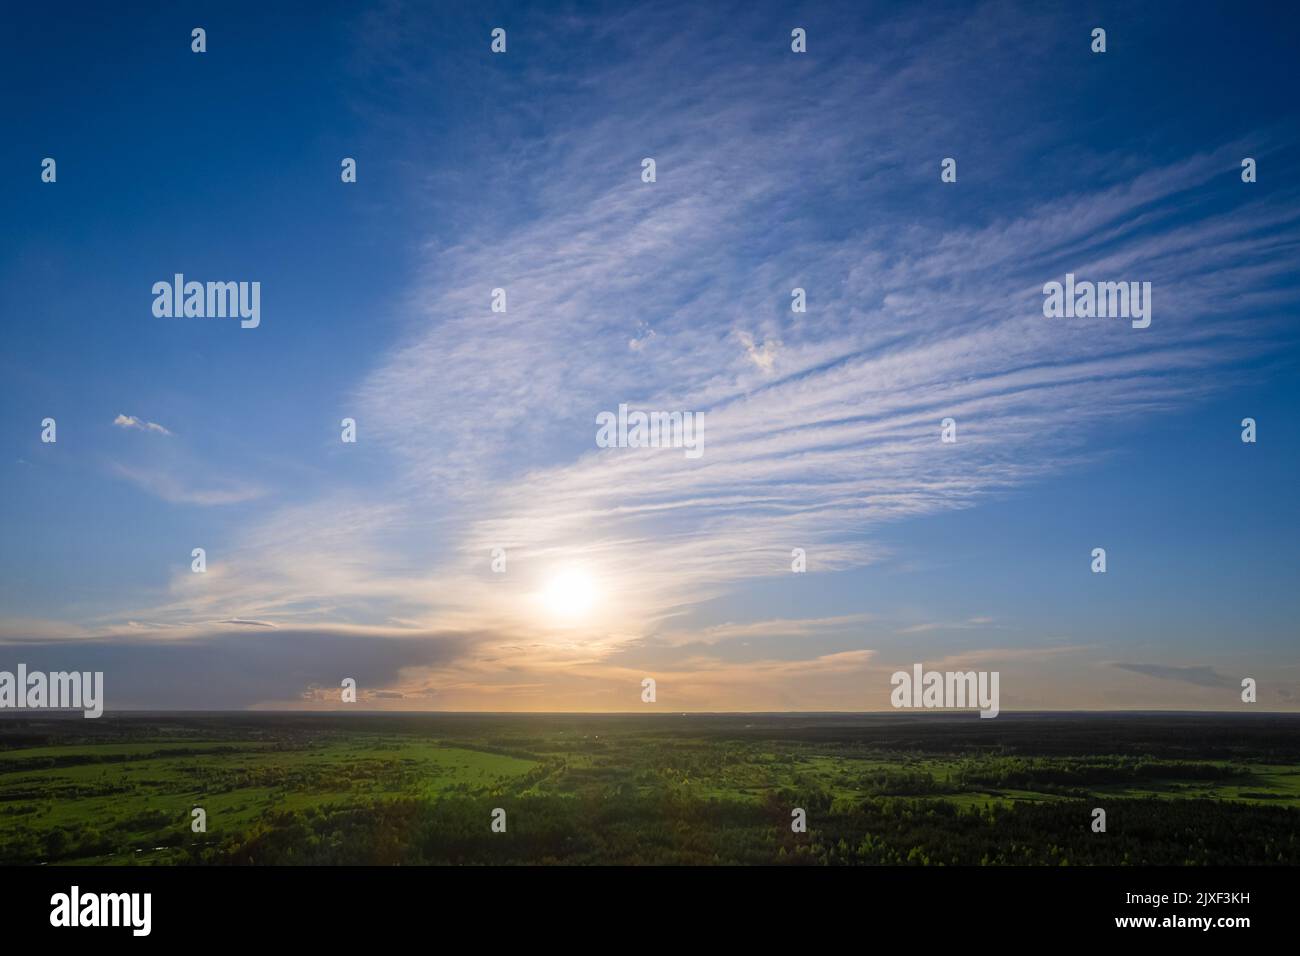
(888, 789)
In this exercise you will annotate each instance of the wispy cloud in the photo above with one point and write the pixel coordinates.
(170, 487)
(822, 426)
(972, 623)
(810, 446)
(130, 421)
(1200, 676)
(776, 627)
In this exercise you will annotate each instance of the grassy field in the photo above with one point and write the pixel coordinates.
(881, 789)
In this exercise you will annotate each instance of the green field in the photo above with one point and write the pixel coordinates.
(654, 789)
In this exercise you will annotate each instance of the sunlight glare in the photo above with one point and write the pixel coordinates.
(569, 594)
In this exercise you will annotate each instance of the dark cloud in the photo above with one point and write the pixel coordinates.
(229, 671)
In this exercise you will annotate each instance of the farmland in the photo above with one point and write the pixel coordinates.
(876, 789)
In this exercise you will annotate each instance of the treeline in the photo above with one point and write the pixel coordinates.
(663, 829)
(82, 841)
(1049, 774)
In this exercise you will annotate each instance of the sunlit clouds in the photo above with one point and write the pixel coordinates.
(823, 426)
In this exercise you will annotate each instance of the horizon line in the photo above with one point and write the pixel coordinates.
(11, 712)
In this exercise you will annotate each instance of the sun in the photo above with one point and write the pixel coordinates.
(569, 594)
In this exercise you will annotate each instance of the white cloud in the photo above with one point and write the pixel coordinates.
(171, 488)
(764, 356)
(816, 437)
(130, 421)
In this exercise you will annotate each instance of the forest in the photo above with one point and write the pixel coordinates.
(464, 789)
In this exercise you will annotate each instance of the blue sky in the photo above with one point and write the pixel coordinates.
(476, 429)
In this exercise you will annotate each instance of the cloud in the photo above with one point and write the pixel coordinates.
(764, 357)
(828, 429)
(775, 627)
(818, 437)
(642, 340)
(1200, 676)
(971, 623)
(235, 669)
(23, 630)
(130, 421)
(169, 487)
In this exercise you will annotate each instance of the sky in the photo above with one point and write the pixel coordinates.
(476, 430)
